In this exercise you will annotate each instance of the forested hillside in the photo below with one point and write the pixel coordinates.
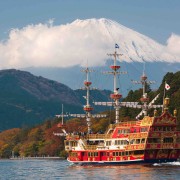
(27, 100)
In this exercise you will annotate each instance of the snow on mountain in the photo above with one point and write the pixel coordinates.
(133, 45)
(47, 45)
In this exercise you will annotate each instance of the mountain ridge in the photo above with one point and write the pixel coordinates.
(27, 100)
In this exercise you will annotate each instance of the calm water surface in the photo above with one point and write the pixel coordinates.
(58, 169)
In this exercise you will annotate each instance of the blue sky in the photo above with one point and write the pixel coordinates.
(154, 18)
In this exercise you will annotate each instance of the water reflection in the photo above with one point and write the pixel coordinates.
(56, 169)
(164, 171)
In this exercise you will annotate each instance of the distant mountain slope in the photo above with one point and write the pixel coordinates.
(99, 80)
(26, 100)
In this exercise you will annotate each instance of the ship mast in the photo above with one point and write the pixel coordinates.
(61, 125)
(116, 96)
(88, 108)
(144, 99)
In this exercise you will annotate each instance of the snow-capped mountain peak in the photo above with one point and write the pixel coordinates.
(133, 45)
(73, 44)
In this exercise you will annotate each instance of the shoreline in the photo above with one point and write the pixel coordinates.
(39, 158)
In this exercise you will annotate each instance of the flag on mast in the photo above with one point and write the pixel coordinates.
(167, 87)
(116, 46)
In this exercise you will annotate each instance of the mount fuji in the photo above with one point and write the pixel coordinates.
(47, 45)
(59, 52)
(104, 33)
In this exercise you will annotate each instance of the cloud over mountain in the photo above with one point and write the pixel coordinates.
(71, 44)
(173, 44)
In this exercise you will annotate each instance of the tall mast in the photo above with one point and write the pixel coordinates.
(144, 99)
(88, 108)
(61, 125)
(62, 115)
(116, 96)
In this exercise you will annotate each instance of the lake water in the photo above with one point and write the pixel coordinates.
(61, 169)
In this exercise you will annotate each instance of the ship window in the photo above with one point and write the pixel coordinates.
(108, 143)
(67, 143)
(73, 154)
(159, 128)
(143, 140)
(117, 142)
(164, 128)
(117, 153)
(103, 153)
(122, 153)
(74, 143)
(123, 131)
(138, 152)
(114, 154)
(137, 141)
(168, 128)
(127, 153)
(92, 154)
(154, 140)
(121, 142)
(168, 140)
(143, 129)
(132, 141)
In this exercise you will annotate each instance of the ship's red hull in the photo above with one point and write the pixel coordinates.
(107, 163)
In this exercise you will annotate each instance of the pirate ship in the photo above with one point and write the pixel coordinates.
(152, 139)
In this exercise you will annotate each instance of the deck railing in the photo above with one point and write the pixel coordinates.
(91, 147)
(98, 136)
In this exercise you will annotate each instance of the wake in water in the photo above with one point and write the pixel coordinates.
(167, 164)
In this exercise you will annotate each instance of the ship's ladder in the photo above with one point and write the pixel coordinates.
(82, 144)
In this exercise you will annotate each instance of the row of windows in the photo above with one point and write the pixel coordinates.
(92, 154)
(116, 153)
(163, 128)
(126, 131)
(121, 153)
(123, 131)
(73, 143)
(154, 140)
(108, 143)
(158, 140)
(125, 142)
(168, 140)
(137, 141)
(121, 142)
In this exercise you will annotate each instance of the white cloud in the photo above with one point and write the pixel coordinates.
(72, 44)
(173, 44)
